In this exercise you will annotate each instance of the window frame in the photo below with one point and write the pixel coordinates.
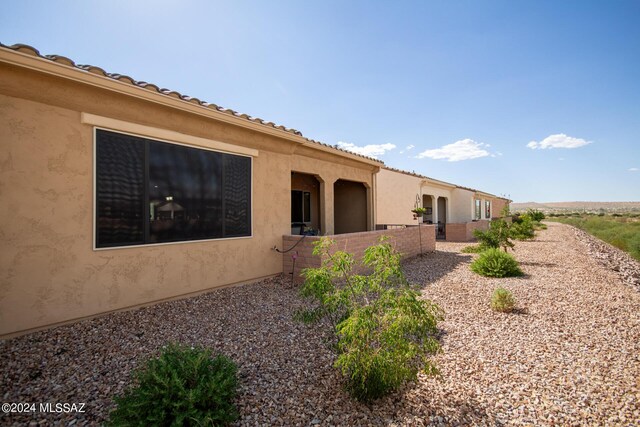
(154, 138)
(303, 193)
(487, 209)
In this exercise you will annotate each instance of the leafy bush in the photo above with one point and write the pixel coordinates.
(182, 387)
(497, 236)
(502, 300)
(523, 228)
(496, 263)
(535, 215)
(385, 332)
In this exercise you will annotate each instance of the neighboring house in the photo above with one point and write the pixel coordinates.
(456, 211)
(116, 193)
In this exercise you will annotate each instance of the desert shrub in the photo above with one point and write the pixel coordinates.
(496, 263)
(522, 229)
(535, 215)
(385, 333)
(497, 236)
(502, 300)
(184, 386)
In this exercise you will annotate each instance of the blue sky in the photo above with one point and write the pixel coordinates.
(537, 100)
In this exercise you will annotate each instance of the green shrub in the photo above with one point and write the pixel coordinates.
(535, 215)
(496, 263)
(502, 300)
(385, 333)
(182, 387)
(523, 228)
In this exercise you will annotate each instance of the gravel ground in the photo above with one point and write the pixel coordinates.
(569, 356)
(612, 258)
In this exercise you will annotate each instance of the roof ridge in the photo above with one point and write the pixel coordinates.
(63, 60)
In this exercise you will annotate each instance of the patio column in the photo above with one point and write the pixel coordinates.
(434, 207)
(326, 204)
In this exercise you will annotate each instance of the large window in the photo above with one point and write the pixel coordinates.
(154, 192)
(487, 209)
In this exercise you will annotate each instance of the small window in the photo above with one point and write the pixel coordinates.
(154, 192)
(487, 209)
(300, 206)
(478, 210)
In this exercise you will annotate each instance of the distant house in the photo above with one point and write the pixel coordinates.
(456, 211)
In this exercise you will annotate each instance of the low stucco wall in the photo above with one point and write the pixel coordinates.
(463, 232)
(408, 241)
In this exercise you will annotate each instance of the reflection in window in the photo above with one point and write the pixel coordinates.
(300, 206)
(185, 193)
(478, 210)
(119, 190)
(487, 209)
(191, 194)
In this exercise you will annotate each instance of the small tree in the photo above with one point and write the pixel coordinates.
(497, 236)
(385, 333)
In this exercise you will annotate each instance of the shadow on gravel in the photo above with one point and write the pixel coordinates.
(426, 269)
(417, 409)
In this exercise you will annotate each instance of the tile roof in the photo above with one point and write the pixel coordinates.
(59, 59)
(417, 175)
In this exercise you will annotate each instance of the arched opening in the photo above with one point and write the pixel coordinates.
(305, 204)
(349, 207)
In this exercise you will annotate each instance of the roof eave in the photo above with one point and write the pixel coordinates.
(51, 67)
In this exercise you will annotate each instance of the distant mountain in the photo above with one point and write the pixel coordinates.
(577, 206)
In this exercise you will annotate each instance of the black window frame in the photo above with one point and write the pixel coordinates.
(145, 200)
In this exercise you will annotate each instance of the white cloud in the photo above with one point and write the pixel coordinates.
(410, 147)
(633, 169)
(372, 150)
(559, 140)
(464, 149)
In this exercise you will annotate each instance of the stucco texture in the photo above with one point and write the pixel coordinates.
(49, 272)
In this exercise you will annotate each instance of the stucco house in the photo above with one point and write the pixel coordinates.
(456, 211)
(117, 193)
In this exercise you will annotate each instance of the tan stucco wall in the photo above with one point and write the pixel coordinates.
(49, 272)
(461, 205)
(396, 196)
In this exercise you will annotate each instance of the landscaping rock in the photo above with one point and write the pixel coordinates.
(569, 355)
